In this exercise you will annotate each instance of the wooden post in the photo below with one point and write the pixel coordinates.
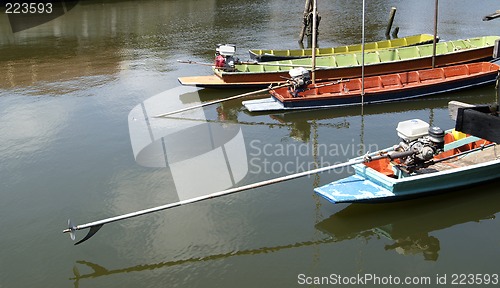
(395, 32)
(389, 25)
(308, 19)
(307, 10)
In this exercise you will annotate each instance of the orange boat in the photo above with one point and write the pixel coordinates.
(377, 89)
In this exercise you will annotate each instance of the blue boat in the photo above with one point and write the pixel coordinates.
(441, 161)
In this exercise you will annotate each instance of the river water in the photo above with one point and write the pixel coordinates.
(67, 151)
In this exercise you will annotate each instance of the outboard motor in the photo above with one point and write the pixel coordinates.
(424, 141)
(300, 78)
(224, 57)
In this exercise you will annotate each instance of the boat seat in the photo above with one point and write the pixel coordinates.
(477, 42)
(456, 71)
(371, 57)
(475, 68)
(427, 50)
(391, 80)
(441, 48)
(371, 46)
(460, 44)
(399, 42)
(342, 49)
(273, 68)
(411, 77)
(373, 82)
(384, 44)
(346, 60)
(430, 75)
(254, 68)
(469, 43)
(388, 55)
(409, 52)
(323, 51)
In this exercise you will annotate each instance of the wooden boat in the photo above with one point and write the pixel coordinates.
(384, 88)
(465, 160)
(265, 55)
(344, 66)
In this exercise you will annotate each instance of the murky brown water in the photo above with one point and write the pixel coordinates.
(66, 90)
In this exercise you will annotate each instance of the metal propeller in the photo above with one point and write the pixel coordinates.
(72, 231)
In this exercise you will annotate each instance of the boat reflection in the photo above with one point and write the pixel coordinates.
(409, 224)
(301, 122)
(229, 112)
(100, 271)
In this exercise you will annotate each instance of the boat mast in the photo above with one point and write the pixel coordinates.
(314, 37)
(363, 56)
(435, 35)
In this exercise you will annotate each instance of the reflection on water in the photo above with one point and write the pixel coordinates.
(72, 156)
(65, 67)
(409, 224)
(42, 14)
(203, 157)
(99, 271)
(95, 39)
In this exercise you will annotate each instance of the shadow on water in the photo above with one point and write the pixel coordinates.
(233, 107)
(230, 110)
(408, 224)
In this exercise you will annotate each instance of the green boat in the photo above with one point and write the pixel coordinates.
(261, 55)
(347, 66)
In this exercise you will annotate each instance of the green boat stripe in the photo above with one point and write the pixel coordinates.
(373, 57)
(384, 44)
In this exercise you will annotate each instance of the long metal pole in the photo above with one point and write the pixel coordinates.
(314, 39)
(435, 34)
(219, 101)
(217, 194)
(363, 57)
(96, 225)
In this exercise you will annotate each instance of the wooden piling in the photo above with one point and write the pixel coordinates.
(395, 32)
(307, 10)
(391, 20)
(308, 19)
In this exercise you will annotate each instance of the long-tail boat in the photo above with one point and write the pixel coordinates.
(265, 55)
(426, 161)
(343, 66)
(377, 89)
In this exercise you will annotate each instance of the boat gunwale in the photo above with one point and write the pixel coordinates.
(486, 68)
(388, 182)
(421, 39)
(222, 73)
